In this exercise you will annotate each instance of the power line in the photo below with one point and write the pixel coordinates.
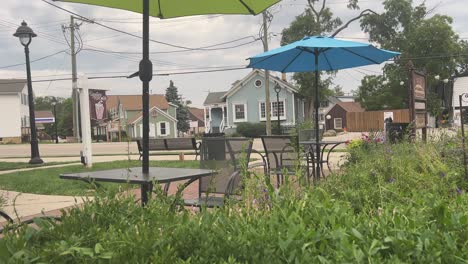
(119, 30)
(177, 51)
(39, 59)
(126, 76)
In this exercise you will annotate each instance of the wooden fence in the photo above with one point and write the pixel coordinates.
(373, 120)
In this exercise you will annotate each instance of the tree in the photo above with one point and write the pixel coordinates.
(64, 114)
(427, 40)
(317, 19)
(173, 96)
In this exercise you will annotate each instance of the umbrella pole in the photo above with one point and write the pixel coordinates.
(317, 105)
(145, 74)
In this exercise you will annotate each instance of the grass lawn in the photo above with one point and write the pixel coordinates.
(47, 181)
(4, 166)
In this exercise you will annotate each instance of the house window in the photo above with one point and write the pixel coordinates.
(324, 104)
(277, 107)
(207, 115)
(338, 122)
(240, 112)
(322, 117)
(258, 83)
(262, 110)
(162, 127)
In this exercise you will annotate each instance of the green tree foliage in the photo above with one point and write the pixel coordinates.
(64, 109)
(173, 96)
(427, 39)
(317, 19)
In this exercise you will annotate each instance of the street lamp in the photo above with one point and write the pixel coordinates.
(463, 97)
(278, 90)
(25, 35)
(55, 122)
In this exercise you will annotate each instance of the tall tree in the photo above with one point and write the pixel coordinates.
(173, 96)
(64, 114)
(427, 39)
(317, 19)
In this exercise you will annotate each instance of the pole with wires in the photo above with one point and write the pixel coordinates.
(75, 92)
(267, 75)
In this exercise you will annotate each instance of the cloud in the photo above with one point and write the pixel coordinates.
(196, 31)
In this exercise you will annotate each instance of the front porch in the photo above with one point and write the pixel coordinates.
(215, 118)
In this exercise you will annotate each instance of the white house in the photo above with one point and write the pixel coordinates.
(460, 86)
(14, 109)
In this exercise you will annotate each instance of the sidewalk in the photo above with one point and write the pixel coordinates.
(25, 205)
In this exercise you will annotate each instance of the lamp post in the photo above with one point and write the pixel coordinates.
(328, 117)
(463, 97)
(25, 35)
(55, 121)
(278, 90)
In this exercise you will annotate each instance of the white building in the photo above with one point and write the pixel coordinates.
(14, 110)
(460, 85)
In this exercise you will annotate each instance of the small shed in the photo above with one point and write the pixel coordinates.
(336, 116)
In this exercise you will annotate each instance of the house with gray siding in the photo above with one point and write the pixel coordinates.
(245, 102)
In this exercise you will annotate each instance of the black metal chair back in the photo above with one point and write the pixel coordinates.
(309, 134)
(280, 152)
(227, 156)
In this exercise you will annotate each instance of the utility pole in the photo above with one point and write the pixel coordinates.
(267, 76)
(75, 92)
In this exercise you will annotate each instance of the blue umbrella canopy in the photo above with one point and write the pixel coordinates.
(314, 54)
(333, 54)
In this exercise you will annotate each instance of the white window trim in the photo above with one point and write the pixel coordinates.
(245, 119)
(283, 117)
(334, 123)
(158, 129)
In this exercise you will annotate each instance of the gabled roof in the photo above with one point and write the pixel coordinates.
(133, 102)
(239, 84)
(140, 115)
(197, 113)
(215, 98)
(12, 85)
(351, 106)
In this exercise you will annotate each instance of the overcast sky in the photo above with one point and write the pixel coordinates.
(193, 32)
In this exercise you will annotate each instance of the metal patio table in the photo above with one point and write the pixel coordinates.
(135, 175)
(310, 146)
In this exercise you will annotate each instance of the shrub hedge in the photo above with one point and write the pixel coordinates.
(390, 204)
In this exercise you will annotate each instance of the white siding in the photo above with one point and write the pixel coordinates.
(460, 86)
(10, 115)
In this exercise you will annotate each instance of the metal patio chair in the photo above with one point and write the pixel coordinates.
(282, 157)
(227, 156)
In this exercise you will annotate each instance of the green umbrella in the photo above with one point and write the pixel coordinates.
(180, 8)
(171, 9)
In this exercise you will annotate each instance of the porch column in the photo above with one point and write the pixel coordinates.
(224, 121)
(209, 126)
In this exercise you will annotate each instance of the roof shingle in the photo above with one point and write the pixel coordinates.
(214, 98)
(351, 106)
(134, 103)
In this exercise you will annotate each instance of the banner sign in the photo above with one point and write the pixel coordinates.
(417, 106)
(419, 86)
(97, 105)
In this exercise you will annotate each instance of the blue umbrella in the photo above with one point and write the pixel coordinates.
(314, 54)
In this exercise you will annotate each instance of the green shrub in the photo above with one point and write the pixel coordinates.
(252, 130)
(395, 203)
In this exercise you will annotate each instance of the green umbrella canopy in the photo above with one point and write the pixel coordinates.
(180, 8)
